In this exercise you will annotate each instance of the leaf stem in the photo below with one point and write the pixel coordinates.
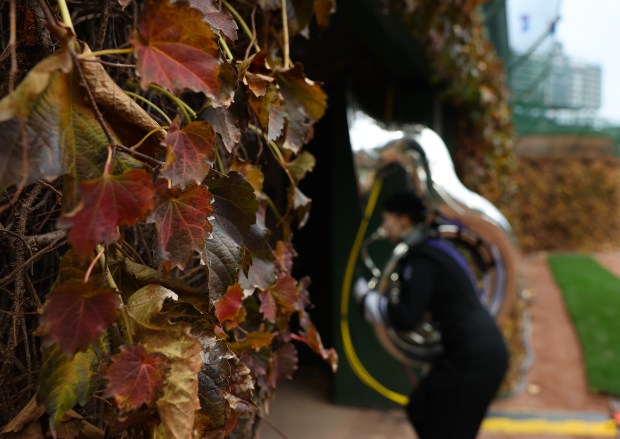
(185, 109)
(243, 24)
(92, 265)
(99, 53)
(218, 157)
(287, 60)
(108, 161)
(139, 155)
(272, 206)
(153, 106)
(149, 134)
(271, 143)
(66, 15)
(229, 54)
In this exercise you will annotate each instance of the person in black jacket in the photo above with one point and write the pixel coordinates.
(451, 401)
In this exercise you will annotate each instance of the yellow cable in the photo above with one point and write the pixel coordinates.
(349, 351)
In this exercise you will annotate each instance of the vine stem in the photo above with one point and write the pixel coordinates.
(66, 15)
(151, 104)
(112, 283)
(271, 143)
(149, 134)
(13, 46)
(219, 160)
(92, 265)
(229, 54)
(99, 53)
(243, 24)
(287, 60)
(273, 207)
(185, 109)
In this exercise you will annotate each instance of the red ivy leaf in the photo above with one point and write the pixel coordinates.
(76, 314)
(283, 364)
(181, 218)
(285, 293)
(191, 152)
(229, 308)
(176, 48)
(284, 254)
(312, 338)
(267, 306)
(108, 202)
(135, 377)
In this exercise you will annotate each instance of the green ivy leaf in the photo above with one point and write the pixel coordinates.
(47, 128)
(301, 165)
(65, 381)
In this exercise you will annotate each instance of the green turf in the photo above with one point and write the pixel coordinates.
(592, 296)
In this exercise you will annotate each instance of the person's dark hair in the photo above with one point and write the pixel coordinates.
(406, 203)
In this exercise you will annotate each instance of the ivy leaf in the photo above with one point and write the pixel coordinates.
(229, 308)
(283, 364)
(76, 314)
(191, 152)
(270, 110)
(150, 327)
(284, 254)
(176, 48)
(267, 306)
(65, 381)
(301, 165)
(252, 174)
(223, 258)
(225, 123)
(181, 218)
(234, 197)
(144, 308)
(255, 340)
(236, 209)
(285, 293)
(138, 275)
(46, 127)
(135, 377)
(217, 18)
(261, 274)
(224, 381)
(108, 202)
(301, 205)
(312, 338)
(305, 103)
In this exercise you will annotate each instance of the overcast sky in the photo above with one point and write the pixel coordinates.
(589, 30)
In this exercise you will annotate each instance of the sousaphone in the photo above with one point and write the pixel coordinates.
(476, 227)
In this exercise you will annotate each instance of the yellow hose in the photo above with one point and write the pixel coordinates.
(349, 351)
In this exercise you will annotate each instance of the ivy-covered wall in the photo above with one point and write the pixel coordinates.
(567, 202)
